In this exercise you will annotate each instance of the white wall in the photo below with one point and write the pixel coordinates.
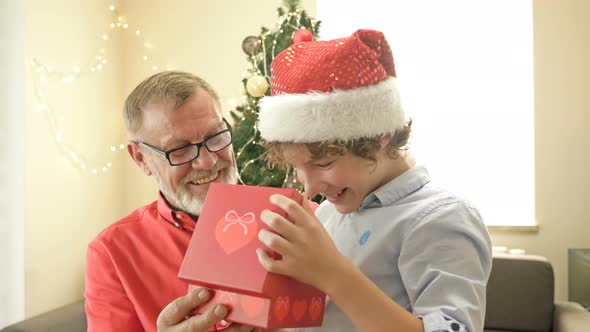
(65, 207)
(12, 93)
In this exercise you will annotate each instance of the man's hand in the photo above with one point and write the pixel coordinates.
(174, 318)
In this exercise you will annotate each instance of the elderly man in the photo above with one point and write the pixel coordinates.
(179, 136)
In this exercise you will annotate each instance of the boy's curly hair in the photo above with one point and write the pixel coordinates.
(365, 147)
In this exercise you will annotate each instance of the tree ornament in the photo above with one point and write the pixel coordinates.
(257, 86)
(302, 35)
(250, 45)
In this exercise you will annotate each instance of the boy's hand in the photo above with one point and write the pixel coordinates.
(175, 316)
(308, 253)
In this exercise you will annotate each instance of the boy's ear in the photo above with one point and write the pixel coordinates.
(384, 140)
(138, 157)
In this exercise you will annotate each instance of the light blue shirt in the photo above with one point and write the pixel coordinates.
(422, 246)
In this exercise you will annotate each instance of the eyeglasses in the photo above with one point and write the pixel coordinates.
(187, 153)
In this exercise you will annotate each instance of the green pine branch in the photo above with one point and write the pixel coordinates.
(249, 153)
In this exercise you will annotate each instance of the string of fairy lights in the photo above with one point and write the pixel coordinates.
(256, 87)
(45, 73)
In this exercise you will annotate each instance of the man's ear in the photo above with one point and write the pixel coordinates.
(138, 156)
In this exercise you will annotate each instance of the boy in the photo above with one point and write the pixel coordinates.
(392, 251)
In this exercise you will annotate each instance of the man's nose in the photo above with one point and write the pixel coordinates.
(205, 160)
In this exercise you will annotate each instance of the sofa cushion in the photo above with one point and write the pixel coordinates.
(520, 294)
(70, 318)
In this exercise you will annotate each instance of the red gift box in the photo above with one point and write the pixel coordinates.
(222, 256)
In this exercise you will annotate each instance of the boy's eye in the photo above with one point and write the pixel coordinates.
(325, 164)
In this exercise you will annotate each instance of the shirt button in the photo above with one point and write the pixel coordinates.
(223, 322)
(455, 327)
(179, 215)
(177, 224)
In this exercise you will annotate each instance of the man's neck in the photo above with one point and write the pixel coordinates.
(194, 217)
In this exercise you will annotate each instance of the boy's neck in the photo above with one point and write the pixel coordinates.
(392, 168)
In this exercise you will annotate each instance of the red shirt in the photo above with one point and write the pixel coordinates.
(132, 268)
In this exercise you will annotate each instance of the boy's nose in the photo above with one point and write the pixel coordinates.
(311, 184)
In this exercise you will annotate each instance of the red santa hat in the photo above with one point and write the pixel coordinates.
(334, 90)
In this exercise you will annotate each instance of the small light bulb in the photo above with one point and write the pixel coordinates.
(109, 164)
(76, 69)
(145, 58)
(99, 67)
(125, 26)
(104, 169)
(105, 36)
(122, 146)
(112, 8)
(113, 25)
(104, 61)
(94, 171)
(137, 32)
(113, 148)
(154, 68)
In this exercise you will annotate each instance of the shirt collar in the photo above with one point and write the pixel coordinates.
(398, 188)
(179, 219)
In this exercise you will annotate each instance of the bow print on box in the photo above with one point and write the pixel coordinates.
(281, 308)
(234, 231)
(316, 308)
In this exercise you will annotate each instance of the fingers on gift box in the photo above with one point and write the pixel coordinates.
(222, 256)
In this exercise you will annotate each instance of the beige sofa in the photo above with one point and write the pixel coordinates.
(520, 298)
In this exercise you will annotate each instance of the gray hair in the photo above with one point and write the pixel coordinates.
(176, 86)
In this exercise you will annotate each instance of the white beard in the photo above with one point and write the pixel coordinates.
(183, 199)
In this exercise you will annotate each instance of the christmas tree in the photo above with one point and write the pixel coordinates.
(294, 25)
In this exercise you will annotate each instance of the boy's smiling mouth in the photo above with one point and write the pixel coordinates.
(335, 196)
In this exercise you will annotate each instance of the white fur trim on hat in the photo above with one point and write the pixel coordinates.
(337, 115)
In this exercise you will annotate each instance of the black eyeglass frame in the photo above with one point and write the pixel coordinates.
(166, 154)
